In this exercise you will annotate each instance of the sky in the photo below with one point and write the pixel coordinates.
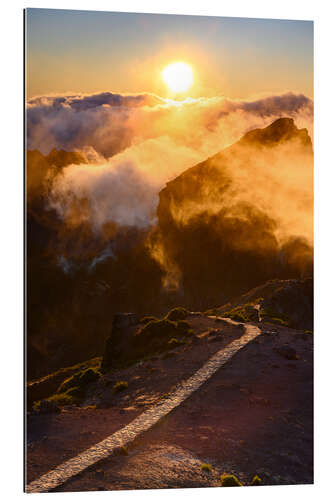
(86, 52)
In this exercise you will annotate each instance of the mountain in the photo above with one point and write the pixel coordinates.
(230, 223)
(220, 232)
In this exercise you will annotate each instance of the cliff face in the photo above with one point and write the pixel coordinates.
(233, 221)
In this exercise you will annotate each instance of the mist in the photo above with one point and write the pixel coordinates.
(156, 141)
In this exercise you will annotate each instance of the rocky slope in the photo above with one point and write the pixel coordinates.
(222, 224)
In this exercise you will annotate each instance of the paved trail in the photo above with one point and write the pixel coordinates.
(143, 422)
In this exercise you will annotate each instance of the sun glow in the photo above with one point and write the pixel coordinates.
(178, 76)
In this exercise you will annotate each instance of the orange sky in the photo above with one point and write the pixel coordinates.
(83, 51)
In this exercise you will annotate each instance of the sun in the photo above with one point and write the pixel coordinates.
(178, 76)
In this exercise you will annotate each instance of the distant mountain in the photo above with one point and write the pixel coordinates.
(282, 130)
(215, 237)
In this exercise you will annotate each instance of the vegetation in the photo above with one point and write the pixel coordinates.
(206, 468)
(160, 335)
(94, 363)
(120, 386)
(256, 481)
(176, 342)
(157, 328)
(80, 380)
(177, 313)
(72, 396)
(46, 386)
(147, 319)
(73, 389)
(211, 312)
(244, 313)
(272, 316)
(229, 480)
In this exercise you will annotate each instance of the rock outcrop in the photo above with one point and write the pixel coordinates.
(219, 222)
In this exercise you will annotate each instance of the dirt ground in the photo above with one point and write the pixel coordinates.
(254, 416)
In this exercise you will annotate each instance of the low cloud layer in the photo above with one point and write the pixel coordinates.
(135, 144)
(106, 124)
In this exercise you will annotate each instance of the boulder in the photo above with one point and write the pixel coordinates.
(118, 343)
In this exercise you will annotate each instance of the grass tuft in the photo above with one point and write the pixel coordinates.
(206, 468)
(80, 379)
(147, 319)
(120, 386)
(176, 314)
(157, 336)
(256, 481)
(230, 480)
(175, 342)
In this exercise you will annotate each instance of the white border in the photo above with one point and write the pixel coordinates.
(11, 210)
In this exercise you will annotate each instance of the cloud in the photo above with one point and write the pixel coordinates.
(136, 144)
(116, 192)
(109, 123)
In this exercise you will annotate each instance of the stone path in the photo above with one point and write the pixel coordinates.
(143, 422)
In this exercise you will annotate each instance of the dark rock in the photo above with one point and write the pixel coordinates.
(123, 320)
(119, 340)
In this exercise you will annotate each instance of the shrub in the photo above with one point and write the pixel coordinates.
(272, 316)
(157, 328)
(155, 335)
(229, 480)
(211, 312)
(120, 386)
(72, 396)
(243, 314)
(256, 481)
(147, 319)
(81, 379)
(73, 389)
(237, 317)
(175, 342)
(206, 468)
(177, 313)
(36, 405)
